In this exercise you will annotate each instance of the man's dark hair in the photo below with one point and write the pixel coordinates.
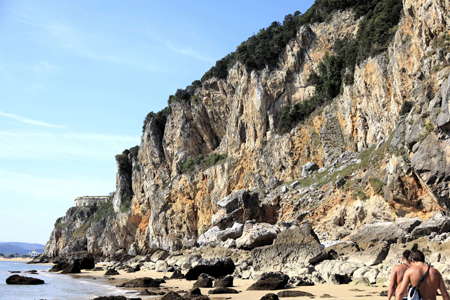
(406, 254)
(417, 256)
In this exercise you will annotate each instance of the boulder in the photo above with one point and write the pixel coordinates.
(227, 281)
(161, 266)
(111, 272)
(177, 274)
(223, 290)
(292, 294)
(203, 281)
(269, 297)
(23, 280)
(370, 234)
(59, 266)
(438, 223)
(72, 268)
(143, 282)
(172, 296)
(329, 268)
(371, 256)
(133, 269)
(216, 268)
(214, 235)
(309, 168)
(257, 235)
(270, 281)
(241, 206)
(292, 248)
(86, 260)
(159, 255)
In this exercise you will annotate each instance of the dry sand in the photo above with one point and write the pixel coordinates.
(339, 292)
(18, 259)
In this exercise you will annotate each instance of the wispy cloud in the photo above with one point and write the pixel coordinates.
(20, 144)
(87, 45)
(29, 121)
(186, 51)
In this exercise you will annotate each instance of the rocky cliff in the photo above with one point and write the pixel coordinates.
(219, 154)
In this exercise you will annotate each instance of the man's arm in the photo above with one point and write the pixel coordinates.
(443, 288)
(392, 283)
(402, 288)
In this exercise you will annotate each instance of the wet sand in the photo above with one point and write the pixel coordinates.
(325, 291)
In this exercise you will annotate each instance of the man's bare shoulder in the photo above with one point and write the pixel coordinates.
(399, 267)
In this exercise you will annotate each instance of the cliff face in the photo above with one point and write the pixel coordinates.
(382, 145)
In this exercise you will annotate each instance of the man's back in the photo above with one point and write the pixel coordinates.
(429, 286)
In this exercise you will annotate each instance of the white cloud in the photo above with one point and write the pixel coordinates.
(29, 121)
(188, 52)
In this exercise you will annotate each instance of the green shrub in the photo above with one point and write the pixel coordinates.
(377, 185)
(104, 211)
(201, 161)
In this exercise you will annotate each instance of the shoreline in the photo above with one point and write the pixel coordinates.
(339, 292)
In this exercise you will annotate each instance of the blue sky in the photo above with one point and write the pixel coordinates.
(79, 77)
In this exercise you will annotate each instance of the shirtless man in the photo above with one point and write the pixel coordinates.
(429, 286)
(397, 273)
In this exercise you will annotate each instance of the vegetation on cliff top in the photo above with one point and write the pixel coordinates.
(377, 28)
(378, 25)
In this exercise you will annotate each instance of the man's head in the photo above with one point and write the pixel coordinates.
(417, 256)
(405, 256)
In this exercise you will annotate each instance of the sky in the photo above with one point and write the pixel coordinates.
(77, 80)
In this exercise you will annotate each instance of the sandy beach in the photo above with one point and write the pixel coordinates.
(18, 259)
(341, 292)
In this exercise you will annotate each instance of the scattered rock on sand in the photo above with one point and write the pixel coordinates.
(23, 280)
(177, 274)
(203, 281)
(215, 268)
(142, 282)
(223, 290)
(172, 296)
(270, 281)
(269, 297)
(284, 294)
(111, 272)
(227, 281)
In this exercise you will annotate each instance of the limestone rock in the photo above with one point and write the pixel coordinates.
(256, 235)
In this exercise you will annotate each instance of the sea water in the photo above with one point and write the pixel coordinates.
(56, 287)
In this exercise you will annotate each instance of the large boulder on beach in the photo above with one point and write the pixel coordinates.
(293, 248)
(223, 290)
(227, 281)
(292, 294)
(23, 280)
(269, 297)
(72, 267)
(270, 281)
(257, 235)
(216, 268)
(115, 298)
(111, 272)
(203, 281)
(143, 282)
(172, 296)
(371, 256)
